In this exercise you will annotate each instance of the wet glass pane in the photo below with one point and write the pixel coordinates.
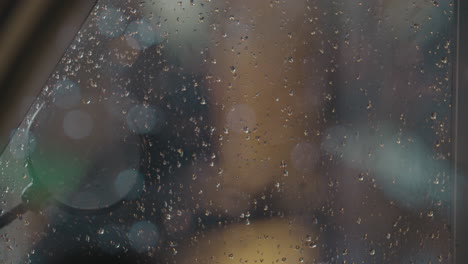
(240, 132)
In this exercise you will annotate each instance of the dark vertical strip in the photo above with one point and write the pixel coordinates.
(460, 221)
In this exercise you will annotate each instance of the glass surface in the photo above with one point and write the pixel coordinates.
(242, 132)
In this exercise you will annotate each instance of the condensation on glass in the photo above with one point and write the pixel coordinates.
(241, 132)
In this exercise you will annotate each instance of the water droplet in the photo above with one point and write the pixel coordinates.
(361, 176)
(430, 214)
(233, 69)
(283, 164)
(358, 220)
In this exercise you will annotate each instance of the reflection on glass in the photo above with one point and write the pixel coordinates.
(242, 132)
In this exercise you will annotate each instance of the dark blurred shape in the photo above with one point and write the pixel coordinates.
(11, 215)
(91, 256)
(461, 138)
(33, 196)
(34, 36)
(6, 9)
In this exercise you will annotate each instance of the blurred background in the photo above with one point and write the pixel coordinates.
(228, 132)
